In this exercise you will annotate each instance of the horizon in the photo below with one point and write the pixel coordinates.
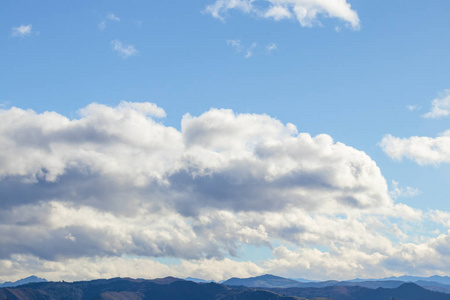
(224, 138)
(222, 281)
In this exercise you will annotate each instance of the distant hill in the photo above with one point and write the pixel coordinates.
(171, 288)
(263, 281)
(407, 291)
(198, 280)
(435, 278)
(302, 280)
(271, 281)
(30, 279)
(135, 289)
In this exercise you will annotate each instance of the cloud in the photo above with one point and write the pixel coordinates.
(423, 150)
(413, 107)
(236, 44)
(306, 12)
(20, 266)
(124, 51)
(109, 17)
(112, 17)
(271, 47)
(102, 25)
(249, 51)
(440, 107)
(399, 192)
(116, 189)
(22, 30)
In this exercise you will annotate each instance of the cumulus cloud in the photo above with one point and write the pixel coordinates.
(306, 12)
(440, 107)
(423, 150)
(115, 188)
(124, 51)
(22, 30)
(20, 266)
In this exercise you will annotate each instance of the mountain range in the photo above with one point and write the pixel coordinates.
(261, 287)
(434, 283)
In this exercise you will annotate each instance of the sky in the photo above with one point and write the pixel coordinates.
(224, 138)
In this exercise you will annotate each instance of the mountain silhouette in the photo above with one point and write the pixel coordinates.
(171, 288)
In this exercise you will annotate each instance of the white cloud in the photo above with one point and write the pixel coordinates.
(21, 266)
(249, 51)
(236, 44)
(116, 188)
(112, 17)
(102, 25)
(413, 107)
(306, 12)
(124, 51)
(22, 30)
(440, 107)
(271, 47)
(423, 150)
(400, 192)
(109, 17)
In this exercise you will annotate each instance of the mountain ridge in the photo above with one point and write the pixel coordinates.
(172, 288)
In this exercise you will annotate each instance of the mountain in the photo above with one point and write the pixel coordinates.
(22, 281)
(263, 281)
(271, 281)
(407, 291)
(136, 289)
(435, 278)
(198, 280)
(303, 280)
(171, 288)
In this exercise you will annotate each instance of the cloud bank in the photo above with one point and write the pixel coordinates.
(116, 188)
(306, 12)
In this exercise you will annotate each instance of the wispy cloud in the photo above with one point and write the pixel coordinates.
(123, 50)
(248, 51)
(22, 30)
(400, 192)
(271, 47)
(440, 107)
(112, 17)
(109, 17)
(102, 25)
(413, 107)
(306, 12)
(236, 44)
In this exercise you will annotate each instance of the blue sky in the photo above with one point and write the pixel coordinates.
(365, 74)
